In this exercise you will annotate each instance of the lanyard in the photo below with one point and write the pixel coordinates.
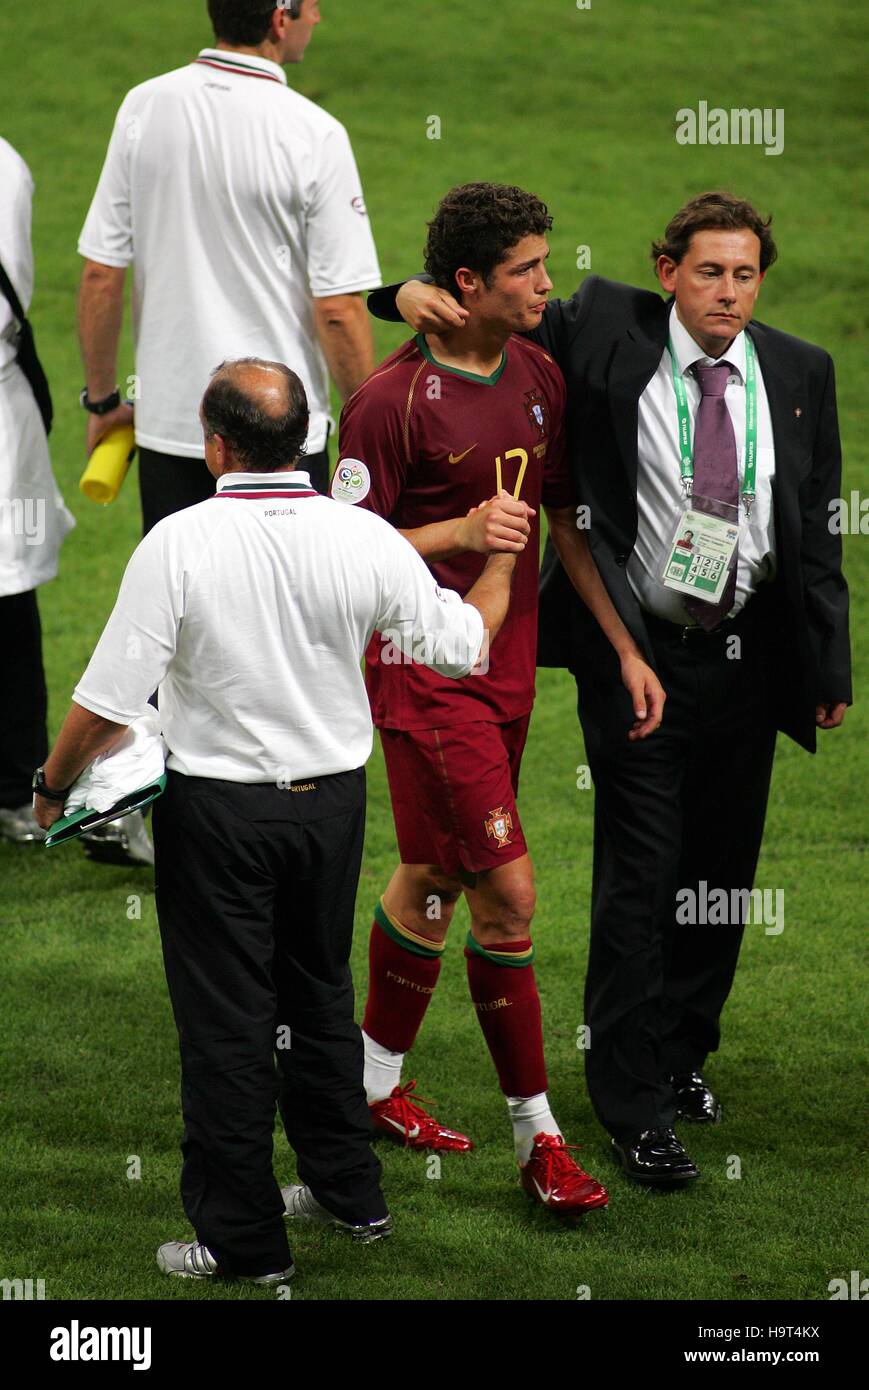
(686, 456)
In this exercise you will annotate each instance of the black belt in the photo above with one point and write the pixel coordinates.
(663, 629)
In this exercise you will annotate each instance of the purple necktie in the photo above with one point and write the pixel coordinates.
(715, 473)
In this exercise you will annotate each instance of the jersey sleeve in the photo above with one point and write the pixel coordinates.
(107, 235)
(418, 618)
(557, 485)
(341, 254)
(372, 433)
(140, 638)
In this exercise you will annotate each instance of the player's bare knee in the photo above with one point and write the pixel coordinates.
(506, 917)
(424, 900)
(440, 893)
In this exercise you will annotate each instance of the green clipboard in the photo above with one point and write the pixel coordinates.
(70, 827)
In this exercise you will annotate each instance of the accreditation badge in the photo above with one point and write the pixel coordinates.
(702, 551)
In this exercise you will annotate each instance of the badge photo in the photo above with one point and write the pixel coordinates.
(351, 481)
(702, 550)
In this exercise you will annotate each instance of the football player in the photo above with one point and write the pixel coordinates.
(458, 440)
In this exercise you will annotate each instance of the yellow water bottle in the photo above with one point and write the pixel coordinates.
(107, 466)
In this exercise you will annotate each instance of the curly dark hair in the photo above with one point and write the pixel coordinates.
(476, 225)
(718, 210)
(260, 440)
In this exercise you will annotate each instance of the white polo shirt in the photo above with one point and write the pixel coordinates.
(659, 487)
(33, 518)
(238, 202)
(16, 253)
(251, 613)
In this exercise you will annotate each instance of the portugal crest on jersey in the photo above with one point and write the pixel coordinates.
(499, 825)
(537, 411)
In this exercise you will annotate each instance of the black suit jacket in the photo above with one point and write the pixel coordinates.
(608, 340)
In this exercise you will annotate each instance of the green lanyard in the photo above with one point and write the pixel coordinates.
(686, 456)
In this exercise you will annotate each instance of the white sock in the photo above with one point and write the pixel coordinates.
(530, 1115)
(382, 1070)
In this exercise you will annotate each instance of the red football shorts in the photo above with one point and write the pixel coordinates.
(454, 791)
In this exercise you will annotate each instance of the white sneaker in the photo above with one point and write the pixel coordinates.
(121, 841)
(302, 1205)
(20, 825)
(190, 1260)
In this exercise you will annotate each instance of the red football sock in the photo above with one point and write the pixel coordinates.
(508, 1007)
(401, 982)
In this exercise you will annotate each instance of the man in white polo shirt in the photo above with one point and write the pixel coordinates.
(33, 518)
(251, 613)
(238, 204)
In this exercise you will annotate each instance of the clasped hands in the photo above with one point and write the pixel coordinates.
(499, 525)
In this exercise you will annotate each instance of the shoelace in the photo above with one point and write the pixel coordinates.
(408, 1111)
(557, 1162)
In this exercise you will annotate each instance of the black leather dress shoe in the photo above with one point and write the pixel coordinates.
(694, 1100)
(655, 1157)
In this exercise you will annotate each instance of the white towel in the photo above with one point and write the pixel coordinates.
(137, 760)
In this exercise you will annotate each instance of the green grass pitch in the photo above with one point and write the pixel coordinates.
(578, 105)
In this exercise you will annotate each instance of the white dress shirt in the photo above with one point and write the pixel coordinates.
(238, 202)
(251, 612)
(33, 518)
(659, 488)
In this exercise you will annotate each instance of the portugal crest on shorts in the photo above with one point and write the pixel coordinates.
(537, 411)
(499, 825)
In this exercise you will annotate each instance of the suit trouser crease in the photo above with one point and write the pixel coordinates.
(683, 807)
(256, 889)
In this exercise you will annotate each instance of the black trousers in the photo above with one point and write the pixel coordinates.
(23, 699)
(685, 805)
(255, 895)
(168, 483)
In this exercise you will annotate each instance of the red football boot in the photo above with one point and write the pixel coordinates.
(552, 1177)
(406, 1122)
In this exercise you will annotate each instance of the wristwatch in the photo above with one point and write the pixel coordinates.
(40, 789)
(100, 407)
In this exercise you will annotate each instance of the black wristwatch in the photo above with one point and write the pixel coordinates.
(100, 407)
(40, 789)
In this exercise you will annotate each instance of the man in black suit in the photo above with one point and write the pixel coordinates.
(681, 814)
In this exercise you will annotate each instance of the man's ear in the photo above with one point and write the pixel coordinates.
(665, 269)
(467, 281)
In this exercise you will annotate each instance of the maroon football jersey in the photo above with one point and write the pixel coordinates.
(421, 442)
